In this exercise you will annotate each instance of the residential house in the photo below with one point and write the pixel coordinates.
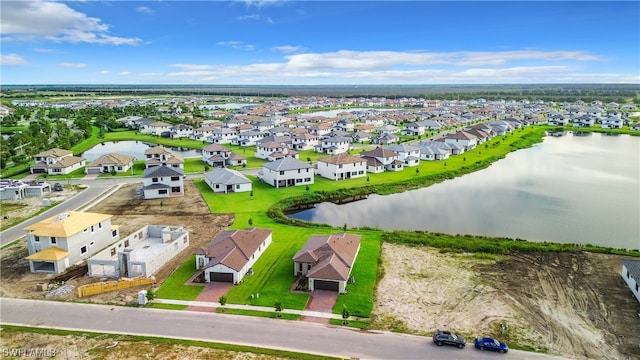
(430, 150)
(584, 121)
(215, 155)
(387, 129)
(272, 151)
(407, 153)
(286, 172)
(155, 128)
(631, 275)
(431, 125)
(305, 141)
(119, 163)
(386, 139)
(223, 135)
(142, 253)
(231, 254)
(20, 189)
(342, 166)
(204, 132)
(414, 129)
(225, 180)
(58, 242)
(162, 156)
(557, 119)
(56, 162)
(467, 140)
(181, 131)
(612, 122)
(361, 137)
(327, 261)
(236, 160)
(248, 138)
(333, 145)
(162, 182)
(379, 160)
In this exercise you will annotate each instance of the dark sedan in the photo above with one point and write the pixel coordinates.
(441, 337)
(489, 343)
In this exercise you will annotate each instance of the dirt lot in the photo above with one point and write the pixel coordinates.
(131, 214)
(572, 304)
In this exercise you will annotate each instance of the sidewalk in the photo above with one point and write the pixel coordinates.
(254, 308)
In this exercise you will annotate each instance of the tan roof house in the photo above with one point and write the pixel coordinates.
(56, 162)
(231, 255)
(56, 243)
(108, 162)
(327, 260)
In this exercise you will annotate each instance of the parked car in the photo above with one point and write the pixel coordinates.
(489, 343)
(57, 187)
(442, 337)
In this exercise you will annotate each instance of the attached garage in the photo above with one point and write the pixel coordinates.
(222, 277)
(325, 285)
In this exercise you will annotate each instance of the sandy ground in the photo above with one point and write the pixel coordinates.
(570, 304)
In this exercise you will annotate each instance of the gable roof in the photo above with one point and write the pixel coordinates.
(234, 248)
(112, 158)
(226, 176)
(343, 158)
(160, 171)
(333, 255)
(55, 152)
(66, 224)
(287, 163)
(379, 153)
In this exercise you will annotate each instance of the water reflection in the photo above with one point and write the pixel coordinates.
(569, 189)
(132, 148)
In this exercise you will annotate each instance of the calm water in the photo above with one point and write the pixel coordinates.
(132, 148)
(570, 189)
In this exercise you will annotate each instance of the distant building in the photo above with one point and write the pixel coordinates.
(631, 276)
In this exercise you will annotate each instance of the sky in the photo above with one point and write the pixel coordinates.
(272, 42)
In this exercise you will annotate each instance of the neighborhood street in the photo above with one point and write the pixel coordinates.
(242, 330)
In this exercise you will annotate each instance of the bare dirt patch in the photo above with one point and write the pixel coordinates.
(570, 304)
(189, 211)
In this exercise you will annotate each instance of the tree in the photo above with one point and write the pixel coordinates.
(417, 171)
(250, 221)
(306, 188)
(345, 314)
(278, 308)
(113, 172)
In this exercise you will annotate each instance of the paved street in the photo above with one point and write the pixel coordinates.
(243, 330)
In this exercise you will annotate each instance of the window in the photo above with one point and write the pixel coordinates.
(83, 250)
(85, 230)
(298, 180)
(92, 243)
(308, 267)
(92, 229)
(54, 240)
(114, 233)
(217, 186)
(113, 251)
(155, 180)
(237, 186)
(99, 225)
(298, 171)
(175, 178)
(36, 238)
(307, 179)
(126, 243)
(340, 166)
(282, 172)
(163, 191)
(120, 168)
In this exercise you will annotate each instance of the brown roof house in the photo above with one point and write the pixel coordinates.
(327, 261)
(231, 255)
(108, 162)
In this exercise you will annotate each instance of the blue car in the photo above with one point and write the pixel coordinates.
(489, 343)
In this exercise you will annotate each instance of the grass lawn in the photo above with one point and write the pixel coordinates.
(174, 287)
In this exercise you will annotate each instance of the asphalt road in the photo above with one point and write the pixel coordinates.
(297, 336)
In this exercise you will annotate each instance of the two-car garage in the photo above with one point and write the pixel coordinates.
(326, 285)
(220, 276)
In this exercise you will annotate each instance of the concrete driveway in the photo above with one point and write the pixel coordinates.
(321, 301)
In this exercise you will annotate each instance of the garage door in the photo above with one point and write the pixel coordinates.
(325, 285)
(223, 277)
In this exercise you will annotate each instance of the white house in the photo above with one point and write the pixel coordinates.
(215, 155)
(333, 145)
(248, 138)
(327, 261)
(384, 158)
(223, 135)
(408, 154)
(223, 180)
(286, 172)
(120, 163)
(162, 182)
(414, 129)
(612, 122)
(469, 141)
(631, 275)
(272, 150)
(56, 243)
(181, 131)
(56, 162)
(231, 255)
(305, 141)
(162, 156)
(142, 253)
(156, 128)
(342, 166)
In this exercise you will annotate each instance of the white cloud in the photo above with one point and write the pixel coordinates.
(44, 50)
(248, 17)
(287, 48)
(104, 72)
(72, 65)
(236, 45)
(12, 60)
(38, 19)
(192, 67)
(262, 3)
(124, 73)
(145, 10)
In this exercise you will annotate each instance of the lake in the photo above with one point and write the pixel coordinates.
(568, 189)
(132, 148)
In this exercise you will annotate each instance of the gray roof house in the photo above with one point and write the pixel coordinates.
(631, 275)
(287, 171)
(162, 181)
(227, 180)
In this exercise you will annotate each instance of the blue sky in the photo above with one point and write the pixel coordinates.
(324, 42)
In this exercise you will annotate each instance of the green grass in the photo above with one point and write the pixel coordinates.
(362, 325)
(174, 287)
(166, 306)
(103, 353)
(266, 314)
